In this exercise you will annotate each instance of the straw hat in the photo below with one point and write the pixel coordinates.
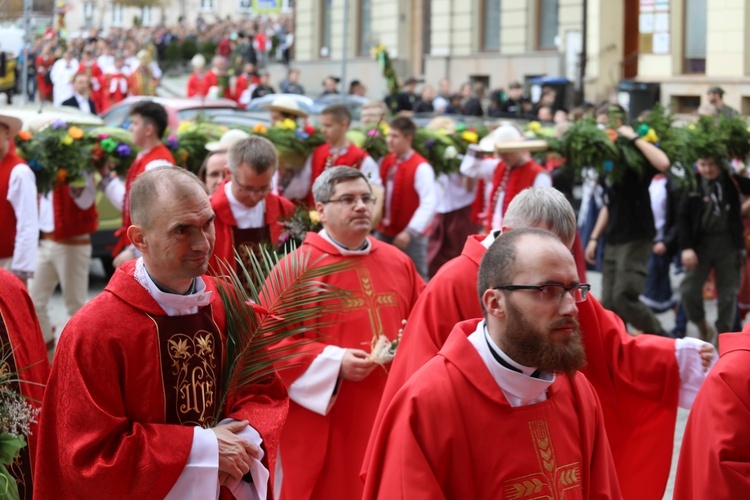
(14, 124)
(508, 139)
(227, 140)
(286, 105)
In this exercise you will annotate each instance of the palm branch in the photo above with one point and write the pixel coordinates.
(284, 298)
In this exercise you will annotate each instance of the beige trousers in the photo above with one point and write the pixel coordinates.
(5, 263)
(67, 265)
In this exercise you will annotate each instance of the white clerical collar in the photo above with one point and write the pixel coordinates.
(520, 389)
(173, 304)
(490, 239)
(364, 250)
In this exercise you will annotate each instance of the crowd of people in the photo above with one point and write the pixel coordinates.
(479, 277)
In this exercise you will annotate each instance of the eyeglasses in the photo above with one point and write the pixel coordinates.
(350, 201)
(552, 293)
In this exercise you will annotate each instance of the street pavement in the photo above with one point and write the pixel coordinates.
(98, 282)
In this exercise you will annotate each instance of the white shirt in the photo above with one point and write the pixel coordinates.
(199, 479)
(61, 75)
(424, 185)
(105, 62)
(84, 201)
(246, 217)
(451, 193)
(658, 193)
(22, 197)
(83, 103)
(301, 183)
(484, 169)
(520, 389)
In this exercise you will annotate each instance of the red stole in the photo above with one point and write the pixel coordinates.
(190, 367)
(276, 208)
(159, 152)
(323, 453)
(405, 199)
(20, 333)
(7, 213)
(511, 182)
(322, 159)
(70, 220)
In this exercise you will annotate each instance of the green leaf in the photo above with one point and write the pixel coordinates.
(10, 445)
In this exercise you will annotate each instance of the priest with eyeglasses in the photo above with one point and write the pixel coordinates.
(502, 411)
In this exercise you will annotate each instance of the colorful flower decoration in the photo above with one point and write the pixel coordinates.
(314, 216)
(535, 127)
(123, 150)
(373, 133)
(468, 136)
(611, 134)
(287, 124)
(450, 153)
(58, 124)
(385, 128)
(259, 128)
(108, 145)
(67, 140)
(76, 133)
(25, 135)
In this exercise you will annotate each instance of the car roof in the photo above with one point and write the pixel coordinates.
(34, 117)
(179, 103)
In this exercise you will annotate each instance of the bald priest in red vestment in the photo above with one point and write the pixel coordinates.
(715, 454)
(501, 411)
(335, 387)
(22, 341)
(639, 380)
(129, 410)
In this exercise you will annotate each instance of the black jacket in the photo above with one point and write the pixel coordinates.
(693, 206)
(73, 103)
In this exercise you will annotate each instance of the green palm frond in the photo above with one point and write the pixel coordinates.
(292, 299)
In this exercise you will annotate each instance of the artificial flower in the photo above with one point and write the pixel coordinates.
(310, 130)
(123, 150)
(108, 145)
(75, 132)
(535, 126)
(25, 135)
(314, 217)
(62, 175)
(611, 134)
(259, 128)
(287, 124)
(468, 136)
(651, 136)
(67, 140)
(373, 133)
(184, 126)
(385, 128)
(57, 124)
(450, 153)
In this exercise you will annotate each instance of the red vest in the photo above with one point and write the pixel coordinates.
(276, 208)
(519, 178)
(71, 221)
(405, 199)
(7, 213)
(160, 152)
(322, 159)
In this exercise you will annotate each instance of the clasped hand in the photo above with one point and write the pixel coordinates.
(235, 453)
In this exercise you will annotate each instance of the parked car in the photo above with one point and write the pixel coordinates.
(178, 109)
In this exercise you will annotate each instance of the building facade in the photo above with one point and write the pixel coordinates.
(681, 44)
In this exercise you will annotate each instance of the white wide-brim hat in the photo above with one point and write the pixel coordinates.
(286, 105)
(227, 140)
(506, 132)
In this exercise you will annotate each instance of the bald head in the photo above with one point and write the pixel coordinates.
(158, 186)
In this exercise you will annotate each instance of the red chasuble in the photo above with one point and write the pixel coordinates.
(20, 333)
(715, 455)
(321, 455)
(127, 387)
(451, 433)
(636, 378)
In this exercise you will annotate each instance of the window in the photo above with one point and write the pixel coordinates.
(491, 25)
(207, 5)
(695, 36)
(365, 27)
(148, 17)
(116, 15)
(325, 25)
(547, 24)
(88, 13)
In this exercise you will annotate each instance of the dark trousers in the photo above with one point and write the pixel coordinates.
(623, 279)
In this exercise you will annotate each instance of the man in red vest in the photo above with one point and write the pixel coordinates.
(247, 212)
(509, 173)
(147, 126)
(410, 199)
(19, 218)
(337, 151)
(67, 217)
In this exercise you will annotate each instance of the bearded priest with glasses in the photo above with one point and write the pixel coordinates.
(335, 385)
(502, 410)
(640, 380)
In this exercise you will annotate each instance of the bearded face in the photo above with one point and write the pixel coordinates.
(543, 346)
